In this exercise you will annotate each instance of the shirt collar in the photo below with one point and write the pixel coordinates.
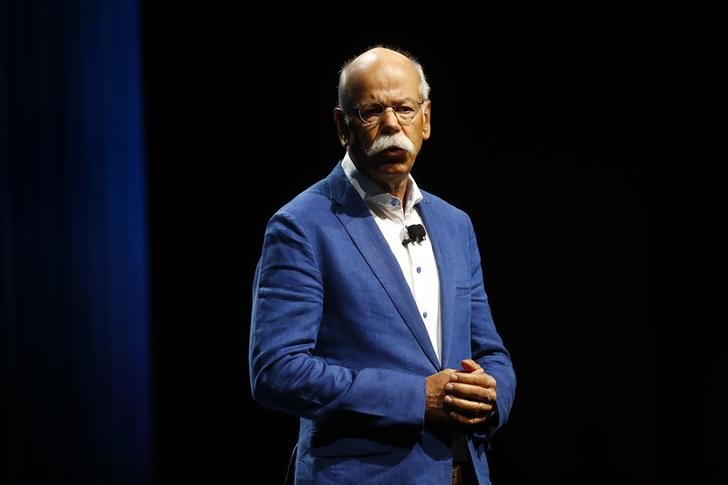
(374, 195)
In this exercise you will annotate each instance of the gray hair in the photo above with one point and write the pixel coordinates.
(343, 88)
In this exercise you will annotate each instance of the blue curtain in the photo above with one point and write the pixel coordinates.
(74, 301)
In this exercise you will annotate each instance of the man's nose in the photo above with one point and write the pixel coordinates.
(389, 123)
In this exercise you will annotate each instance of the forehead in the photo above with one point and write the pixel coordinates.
(384, 80)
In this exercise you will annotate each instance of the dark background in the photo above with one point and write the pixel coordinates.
(588, 153)
(600, 254)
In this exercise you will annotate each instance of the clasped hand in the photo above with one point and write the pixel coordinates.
(465, 397)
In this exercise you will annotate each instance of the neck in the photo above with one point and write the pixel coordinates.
(396, 184)
(397, 188)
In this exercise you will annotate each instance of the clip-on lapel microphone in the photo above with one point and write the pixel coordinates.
(415, 233)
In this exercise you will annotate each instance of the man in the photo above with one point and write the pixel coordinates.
(369, 297)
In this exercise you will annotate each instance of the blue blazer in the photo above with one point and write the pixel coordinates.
(336, 339)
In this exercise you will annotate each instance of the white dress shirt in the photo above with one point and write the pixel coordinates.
(416, 260)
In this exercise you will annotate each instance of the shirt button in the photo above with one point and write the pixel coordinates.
(424, 314)
(419, 270)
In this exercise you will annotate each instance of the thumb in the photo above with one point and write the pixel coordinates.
(469, 365)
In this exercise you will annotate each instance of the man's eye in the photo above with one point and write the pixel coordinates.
(370, 110)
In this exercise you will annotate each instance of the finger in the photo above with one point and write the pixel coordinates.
(466, 407)
(473, 393)
(475, 379)
(465, 421)
(447, 372)
(469, 365)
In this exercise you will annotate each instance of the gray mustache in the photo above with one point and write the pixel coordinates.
(385, 142)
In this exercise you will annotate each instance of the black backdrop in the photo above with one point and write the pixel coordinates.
(546, 136)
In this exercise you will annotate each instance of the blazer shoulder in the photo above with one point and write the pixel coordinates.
(307, 205)
(318, 199)
(316, 194)
(444, 208)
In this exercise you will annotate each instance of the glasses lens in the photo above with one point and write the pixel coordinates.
(405, 111)
(370, 112)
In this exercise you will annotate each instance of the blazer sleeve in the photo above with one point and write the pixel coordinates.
(285, 372)
(487, 346)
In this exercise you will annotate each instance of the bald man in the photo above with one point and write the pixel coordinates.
(370, 319)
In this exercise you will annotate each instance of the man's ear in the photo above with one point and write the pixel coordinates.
(426, 127)
(342, 127)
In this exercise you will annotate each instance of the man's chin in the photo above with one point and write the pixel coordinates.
(392, 156)
(392, 168)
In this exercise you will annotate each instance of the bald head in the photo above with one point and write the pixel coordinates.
(381, 64)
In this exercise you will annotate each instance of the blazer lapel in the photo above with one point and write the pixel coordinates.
(439, 240)
(366, 236)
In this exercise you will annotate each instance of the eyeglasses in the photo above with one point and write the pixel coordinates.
(405, 111)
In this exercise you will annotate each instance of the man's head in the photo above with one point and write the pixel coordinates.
(383, 114)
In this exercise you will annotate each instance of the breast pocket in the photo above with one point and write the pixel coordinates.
(461, 308)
